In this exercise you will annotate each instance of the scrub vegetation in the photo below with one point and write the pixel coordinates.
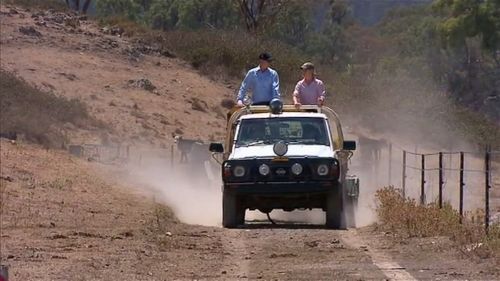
(405, 218)
(428, 69)
(37, 115)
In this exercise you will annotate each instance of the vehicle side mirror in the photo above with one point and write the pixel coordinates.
(349, 145)
(216, 147)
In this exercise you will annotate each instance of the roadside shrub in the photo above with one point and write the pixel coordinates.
(36, 114)
(406, 218)
(409, 218)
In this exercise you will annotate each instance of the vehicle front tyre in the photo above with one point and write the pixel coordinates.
(233, 214)
(334, 208)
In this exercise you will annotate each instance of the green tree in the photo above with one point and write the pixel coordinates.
(127, 8)
(260, 14)
(192, 14)
(163, 14)
(293, 24)
(468, 19)
(195, 14)
(330, 43)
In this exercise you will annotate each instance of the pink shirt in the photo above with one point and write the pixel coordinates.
(309, 93)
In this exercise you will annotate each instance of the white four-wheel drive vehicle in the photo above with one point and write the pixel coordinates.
(280, 157)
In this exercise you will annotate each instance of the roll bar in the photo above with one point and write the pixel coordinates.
(236, 112)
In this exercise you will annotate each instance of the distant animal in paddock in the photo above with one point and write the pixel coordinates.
(370, 148)
(200, 152)
(185, 146)
(9, 135)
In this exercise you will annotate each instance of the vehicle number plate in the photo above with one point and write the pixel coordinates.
(281, 172)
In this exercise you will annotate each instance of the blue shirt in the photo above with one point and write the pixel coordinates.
(265, 85)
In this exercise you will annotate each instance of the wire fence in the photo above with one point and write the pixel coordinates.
(195, 156)
(467, 180)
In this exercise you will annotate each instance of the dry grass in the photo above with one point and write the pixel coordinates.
(126, 26)
(227, 103)
(227, 53)
(218, 53)
(37, 115)
(161, 224)
(406, 218)
(57, 5)
(199, 105)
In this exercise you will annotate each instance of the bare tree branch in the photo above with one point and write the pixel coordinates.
(258, 12)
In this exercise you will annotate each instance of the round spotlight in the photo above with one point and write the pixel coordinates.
(276, 106)
(239, 171)
(297, 169)
(322, 170)
(264, 170)
(280, 148)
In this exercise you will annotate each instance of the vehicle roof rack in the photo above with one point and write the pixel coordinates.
(286, 108)
(236, 112)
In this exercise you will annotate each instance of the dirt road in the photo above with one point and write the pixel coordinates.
(67, 219)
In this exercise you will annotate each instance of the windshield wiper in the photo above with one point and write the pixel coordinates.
(257, 142)
(306, 142)
(253, 143)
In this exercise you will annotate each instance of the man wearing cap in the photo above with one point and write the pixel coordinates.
(263, 81)
(310, 90)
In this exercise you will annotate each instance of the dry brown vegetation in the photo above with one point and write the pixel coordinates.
(123, 26)
(37, 4)
(39, 116)
(215, 53)
(229, 54)
(406, 218)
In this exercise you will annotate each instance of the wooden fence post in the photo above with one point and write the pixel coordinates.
(390, 163)
(172, 156)
(441, 182)
(403, 179)
(487, 190)
(461, 199)
(4, 273)
(422, 181)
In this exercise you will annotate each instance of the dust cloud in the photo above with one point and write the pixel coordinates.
(194, 194)
(194, 198)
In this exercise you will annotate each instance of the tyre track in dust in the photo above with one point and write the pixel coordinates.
(236, 263)
(382, 261)
(294, 253)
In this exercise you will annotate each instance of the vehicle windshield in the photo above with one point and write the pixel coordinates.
(292, 130)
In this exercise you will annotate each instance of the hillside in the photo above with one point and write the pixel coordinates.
(142, 95)
(70, 218)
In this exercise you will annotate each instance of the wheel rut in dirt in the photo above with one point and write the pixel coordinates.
(291, 252)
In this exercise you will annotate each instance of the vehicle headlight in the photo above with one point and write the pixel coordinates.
(297, 169)
(322, 170)
(264, 169)
(239, 171)
(335, 169)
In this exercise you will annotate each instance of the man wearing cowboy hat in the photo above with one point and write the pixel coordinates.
(263, 81)
(310, 90)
